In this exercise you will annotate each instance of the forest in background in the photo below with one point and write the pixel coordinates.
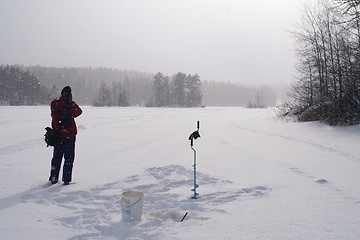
(114, 87)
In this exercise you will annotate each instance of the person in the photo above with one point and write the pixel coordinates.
(63, 112)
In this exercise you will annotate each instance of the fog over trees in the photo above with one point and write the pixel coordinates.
(30, 85)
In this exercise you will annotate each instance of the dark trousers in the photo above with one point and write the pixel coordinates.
(67, 150)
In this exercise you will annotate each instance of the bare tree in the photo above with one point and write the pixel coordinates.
(328, 65)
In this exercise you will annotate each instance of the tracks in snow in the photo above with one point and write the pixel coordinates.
(167, 198)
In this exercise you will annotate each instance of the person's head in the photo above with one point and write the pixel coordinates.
(66, 92)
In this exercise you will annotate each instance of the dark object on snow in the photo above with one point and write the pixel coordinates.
(184, 217)
(52, 137)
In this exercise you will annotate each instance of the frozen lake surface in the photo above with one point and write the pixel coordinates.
(260, 177)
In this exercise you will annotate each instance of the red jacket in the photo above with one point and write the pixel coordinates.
(57, 108)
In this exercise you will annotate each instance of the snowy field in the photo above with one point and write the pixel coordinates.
(260, 177)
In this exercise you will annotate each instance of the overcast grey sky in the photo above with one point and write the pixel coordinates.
(244, 41)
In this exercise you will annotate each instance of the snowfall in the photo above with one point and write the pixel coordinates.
(259, 176)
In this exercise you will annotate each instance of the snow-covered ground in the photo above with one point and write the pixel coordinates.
(260, 177)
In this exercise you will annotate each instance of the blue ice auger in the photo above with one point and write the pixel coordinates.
(193, 136)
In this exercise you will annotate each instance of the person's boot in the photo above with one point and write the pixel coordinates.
(53, 180)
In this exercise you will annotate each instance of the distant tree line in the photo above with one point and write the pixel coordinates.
(179, 91)
(18, 87)
(328, 50)
(33, 85)
(116, 95)
(97, 86)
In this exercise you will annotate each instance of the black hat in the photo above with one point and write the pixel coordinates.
(66, 92)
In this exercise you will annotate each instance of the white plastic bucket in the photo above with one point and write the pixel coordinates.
(132, 205)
